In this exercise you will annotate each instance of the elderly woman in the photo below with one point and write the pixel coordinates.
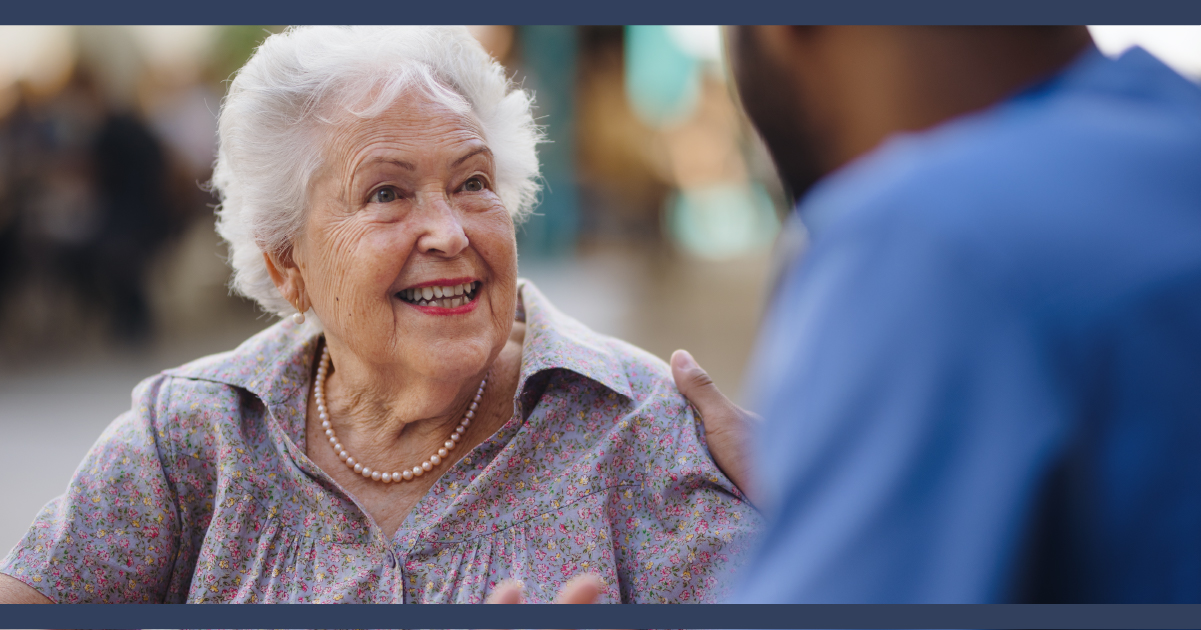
(421, 425)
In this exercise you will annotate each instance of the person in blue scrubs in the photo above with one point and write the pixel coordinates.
(981, 382)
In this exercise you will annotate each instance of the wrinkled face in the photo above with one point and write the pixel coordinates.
(408, 256)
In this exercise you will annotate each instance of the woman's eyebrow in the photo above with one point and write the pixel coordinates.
(408, 166)
(471, 155)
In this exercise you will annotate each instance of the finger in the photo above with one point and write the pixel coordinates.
(581, 589)
(728, 427)
(508, 592)
(694, 383)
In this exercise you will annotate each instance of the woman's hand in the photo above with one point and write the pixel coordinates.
(581, 589)
(729, 429)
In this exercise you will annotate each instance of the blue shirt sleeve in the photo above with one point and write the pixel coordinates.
(911, 416)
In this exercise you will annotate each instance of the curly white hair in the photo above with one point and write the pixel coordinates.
(283, 102)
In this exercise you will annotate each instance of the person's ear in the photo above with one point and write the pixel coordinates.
(286, 276)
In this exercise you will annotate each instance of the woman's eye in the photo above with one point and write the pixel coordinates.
(384, 195)
(474, 184)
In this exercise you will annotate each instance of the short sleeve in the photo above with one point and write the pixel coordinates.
(689, 528)
(113, 536)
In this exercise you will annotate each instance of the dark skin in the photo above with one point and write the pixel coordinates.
(822, 96)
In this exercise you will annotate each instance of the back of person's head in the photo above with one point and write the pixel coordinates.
(821, 96)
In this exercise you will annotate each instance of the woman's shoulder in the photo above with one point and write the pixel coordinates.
(227, 388)
(622, 393)
(272, 364)
(556, 340)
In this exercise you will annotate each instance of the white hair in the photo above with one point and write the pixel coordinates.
(280, 104)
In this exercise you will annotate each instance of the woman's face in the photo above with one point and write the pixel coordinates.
(408, 256)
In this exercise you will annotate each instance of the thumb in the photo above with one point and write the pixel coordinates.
(508, 592)
(694, 382)
(581, 589)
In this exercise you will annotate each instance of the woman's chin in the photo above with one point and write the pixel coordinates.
(450, 360)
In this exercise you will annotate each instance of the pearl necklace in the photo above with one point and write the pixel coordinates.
(375, 475)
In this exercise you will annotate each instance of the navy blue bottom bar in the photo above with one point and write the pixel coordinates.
(1100, 616)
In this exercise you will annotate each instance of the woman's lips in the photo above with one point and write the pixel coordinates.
(443, 297)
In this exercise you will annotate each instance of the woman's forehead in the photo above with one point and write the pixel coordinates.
(414, 124)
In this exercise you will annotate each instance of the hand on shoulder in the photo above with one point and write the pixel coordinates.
(729, 429)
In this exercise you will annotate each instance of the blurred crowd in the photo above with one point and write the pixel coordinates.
(103, 152)
(91, 195)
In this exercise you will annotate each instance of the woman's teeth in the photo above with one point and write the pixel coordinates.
(441, 297)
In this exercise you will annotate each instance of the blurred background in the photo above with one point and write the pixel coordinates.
(657, 224)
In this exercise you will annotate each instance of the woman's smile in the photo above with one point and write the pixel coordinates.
(454, 296)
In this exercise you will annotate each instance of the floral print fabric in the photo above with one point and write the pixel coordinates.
(202, 492)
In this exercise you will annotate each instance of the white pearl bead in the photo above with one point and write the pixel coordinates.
(375, 475)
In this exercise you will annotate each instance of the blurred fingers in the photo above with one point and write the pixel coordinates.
(581, 589)
(508, 592)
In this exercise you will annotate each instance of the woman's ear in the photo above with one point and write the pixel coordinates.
(285, 274)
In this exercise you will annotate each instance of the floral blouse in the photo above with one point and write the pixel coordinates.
(202, 491)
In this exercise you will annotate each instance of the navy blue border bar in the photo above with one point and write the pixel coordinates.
(1020, 616)
(605, 12)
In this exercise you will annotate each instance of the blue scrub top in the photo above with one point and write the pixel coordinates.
(982, 381)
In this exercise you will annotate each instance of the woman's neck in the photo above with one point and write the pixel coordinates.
(392, 422)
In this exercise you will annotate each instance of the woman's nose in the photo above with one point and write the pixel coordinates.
(441, 231)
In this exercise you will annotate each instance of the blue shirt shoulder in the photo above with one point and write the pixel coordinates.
(983, 380)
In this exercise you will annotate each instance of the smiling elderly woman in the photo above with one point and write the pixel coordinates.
(421, 425)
